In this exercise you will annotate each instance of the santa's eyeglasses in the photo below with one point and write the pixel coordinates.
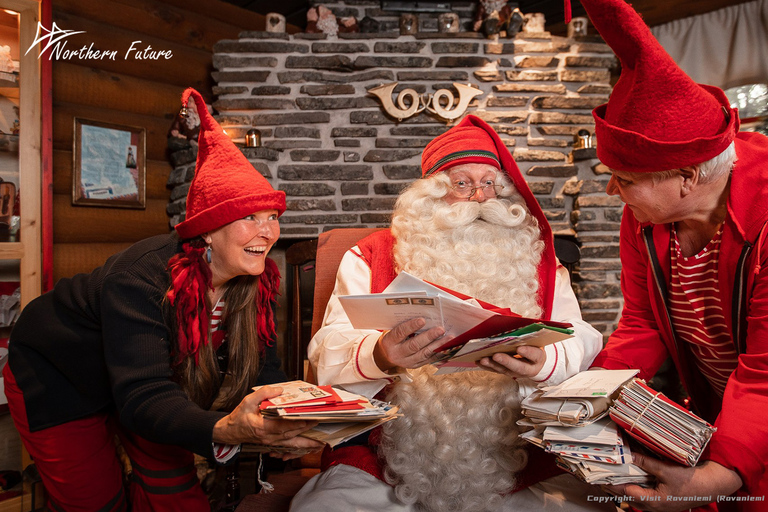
(465, 190)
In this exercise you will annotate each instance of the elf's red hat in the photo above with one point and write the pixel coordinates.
(657, 117)
(475, 141)
(226, 187)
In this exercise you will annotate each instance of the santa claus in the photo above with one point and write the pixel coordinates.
(471, 225)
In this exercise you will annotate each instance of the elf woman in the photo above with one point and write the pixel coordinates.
(160, 346)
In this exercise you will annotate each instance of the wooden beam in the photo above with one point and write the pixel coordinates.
(78, 84)
(158, 19)
(653, 12)
(87, 224)
(78, 258)
(46, 109)
(223, 11)
(187, 67)
(11, 251)
(30, 154)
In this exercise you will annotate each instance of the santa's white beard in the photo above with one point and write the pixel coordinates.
(490, 250)
(456, 448)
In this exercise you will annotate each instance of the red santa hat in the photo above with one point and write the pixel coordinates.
(465, 143)
(657, 117)
(475, 141)
(226, 187)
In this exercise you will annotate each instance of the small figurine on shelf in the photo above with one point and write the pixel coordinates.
(326, 21)
(498, 17)
(348, 25)
(409, 24)
(186, 125)
(534, 22)
(312, 21)
(448, 22)
(15, 128)
(6, 62)
(320, 19)
(275, 22)
(578, 27)
(7, 202)
(369, 25)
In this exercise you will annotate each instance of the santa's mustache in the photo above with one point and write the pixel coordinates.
(501, 212)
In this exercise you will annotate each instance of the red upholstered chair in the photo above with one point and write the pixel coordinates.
(331, 247)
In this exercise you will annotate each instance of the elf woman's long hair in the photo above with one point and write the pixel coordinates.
(248, 325)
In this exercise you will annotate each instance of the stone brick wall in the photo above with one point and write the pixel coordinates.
(342, 161)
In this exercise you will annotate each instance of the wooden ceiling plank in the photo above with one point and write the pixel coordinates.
(160, 20)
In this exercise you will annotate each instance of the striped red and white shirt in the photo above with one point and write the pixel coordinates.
(222, 452)
(216, 314)
(697, 314)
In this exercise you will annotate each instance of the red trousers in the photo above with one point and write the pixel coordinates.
(78, 464)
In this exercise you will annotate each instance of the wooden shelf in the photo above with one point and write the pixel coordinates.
(24, 500)
(9, 143)
(28, 250)
(9, 79)
(11, 250)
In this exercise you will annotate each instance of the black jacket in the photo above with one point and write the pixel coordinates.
(100, 342)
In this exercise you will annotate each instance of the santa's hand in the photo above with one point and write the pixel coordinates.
(402, 347)
(675, 481)
(526, 364)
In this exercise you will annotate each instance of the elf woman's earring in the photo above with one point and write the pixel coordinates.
(208, 250)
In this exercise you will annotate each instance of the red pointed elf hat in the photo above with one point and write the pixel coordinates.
(226, 187)
(657, 117)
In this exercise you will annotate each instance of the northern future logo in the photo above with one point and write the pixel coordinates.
(55, 40)
(54, 35)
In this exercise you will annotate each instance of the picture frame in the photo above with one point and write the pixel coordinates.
(109, 165)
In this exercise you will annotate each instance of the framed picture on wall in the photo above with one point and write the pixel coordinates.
(109, 167)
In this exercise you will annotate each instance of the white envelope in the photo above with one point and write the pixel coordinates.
(590, 384)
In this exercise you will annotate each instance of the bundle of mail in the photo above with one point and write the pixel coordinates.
(570, 421)
(594, 453)
(579, 401)
(341, 415)
(660, 424)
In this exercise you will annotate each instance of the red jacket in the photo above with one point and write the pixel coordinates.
(644, 337)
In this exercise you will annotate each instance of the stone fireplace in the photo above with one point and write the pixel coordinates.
(342, 161)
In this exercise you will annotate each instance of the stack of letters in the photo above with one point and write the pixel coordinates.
(342, 415)
(660, 424)
(594, 453)
(571, 421)
(579, 401)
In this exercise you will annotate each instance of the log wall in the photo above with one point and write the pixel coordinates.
(128, 91)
